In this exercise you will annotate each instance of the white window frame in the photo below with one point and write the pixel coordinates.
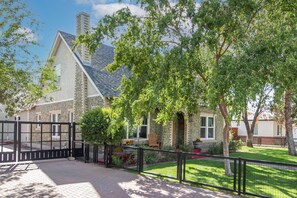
(279, 129)
(138, 130)
(207, 127)
(55, 127)
(38, 119)
(256, 127)
(70, 116)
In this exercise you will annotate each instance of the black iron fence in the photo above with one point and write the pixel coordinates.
(23, 141)
(249, 177)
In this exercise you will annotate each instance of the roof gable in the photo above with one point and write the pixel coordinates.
(107, 83)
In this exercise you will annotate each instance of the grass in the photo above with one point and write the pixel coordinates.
(265, 153)
(263, 180)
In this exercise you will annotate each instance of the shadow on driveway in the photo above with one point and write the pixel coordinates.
(65, 178)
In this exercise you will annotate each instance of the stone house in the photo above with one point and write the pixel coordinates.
(83, 84)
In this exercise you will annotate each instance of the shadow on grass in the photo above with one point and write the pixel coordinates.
(260, 179)
(273, 182)
(266, 153)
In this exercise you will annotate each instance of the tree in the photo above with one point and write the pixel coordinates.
(281, 35)
(259, 105)
(98, 127)
(177, 53)
(20, 84)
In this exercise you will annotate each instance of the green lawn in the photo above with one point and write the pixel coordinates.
(264, 180)
(265, 153)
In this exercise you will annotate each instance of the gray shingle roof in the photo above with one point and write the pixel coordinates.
(106, 82)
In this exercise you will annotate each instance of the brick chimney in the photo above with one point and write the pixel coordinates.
(82, 27)
(80, 103)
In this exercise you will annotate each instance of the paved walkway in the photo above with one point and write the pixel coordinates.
(63, 178)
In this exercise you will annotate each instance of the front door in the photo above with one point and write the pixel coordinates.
(180, 129)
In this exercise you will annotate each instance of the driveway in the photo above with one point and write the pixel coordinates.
(63, 178)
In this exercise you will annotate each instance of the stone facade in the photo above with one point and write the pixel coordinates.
(167, 133)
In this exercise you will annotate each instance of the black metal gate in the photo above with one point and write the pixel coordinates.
(23, 141)
(8, 141)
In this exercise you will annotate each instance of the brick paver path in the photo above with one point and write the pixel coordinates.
(63, 178)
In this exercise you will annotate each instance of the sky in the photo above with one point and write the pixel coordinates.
(55, 15)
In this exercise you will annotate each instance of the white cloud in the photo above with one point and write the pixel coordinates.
(27, 34)
(90, 1)
(108, 9)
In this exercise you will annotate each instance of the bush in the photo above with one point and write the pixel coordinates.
(99, 126)
(217, 148)
(151, 157)
(235, 145)
(168, 148)
(116, 160)
(186, 147)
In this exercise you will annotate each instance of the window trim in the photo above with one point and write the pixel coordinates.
(256, 127)
(207, 127)
(38, 119)
(70, 115)
(279, 130)
(58, 133)
(138, 130)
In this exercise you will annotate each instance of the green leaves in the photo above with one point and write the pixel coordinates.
(100, 126)
(20, 84)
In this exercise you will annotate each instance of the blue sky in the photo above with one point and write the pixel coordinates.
(57, 15)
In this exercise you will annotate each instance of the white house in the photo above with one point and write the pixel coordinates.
(268, 131)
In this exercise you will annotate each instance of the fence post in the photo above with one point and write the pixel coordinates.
(140, 160)
(239, 176)
(73, 139)
(70, 139)
(95, 153)
(19, 142)
(184, 168)
(179, 166)
(235, 174)
(244, 176)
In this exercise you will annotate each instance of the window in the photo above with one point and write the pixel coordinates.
(207, 127)
(38, 119)
(139, 132)
(70, 116)
(55, 127)
(58, 73)
(279, 129)
(256, 130)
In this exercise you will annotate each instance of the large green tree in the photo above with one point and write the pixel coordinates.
(181, 54)
(20, 85)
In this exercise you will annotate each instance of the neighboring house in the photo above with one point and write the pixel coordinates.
(268, 131)
(8, 129)
(83, 84)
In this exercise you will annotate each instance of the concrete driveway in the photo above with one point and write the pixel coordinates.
(63, 178)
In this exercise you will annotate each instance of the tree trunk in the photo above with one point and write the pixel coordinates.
(250, 134)
(249, 140)
(223, 109)
(289, 123)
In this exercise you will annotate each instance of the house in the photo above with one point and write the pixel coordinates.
(83, 84)
(268, 131)
(5, 128)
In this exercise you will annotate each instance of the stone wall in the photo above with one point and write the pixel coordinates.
(192, 129)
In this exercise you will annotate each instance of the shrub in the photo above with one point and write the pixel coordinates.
(151, 157)
(235, 145)
(185, 147)
(216, 149)
(116, 160)
(168, 148)
(100, 126)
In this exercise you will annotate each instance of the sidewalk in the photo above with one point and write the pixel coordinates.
(63, 178)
